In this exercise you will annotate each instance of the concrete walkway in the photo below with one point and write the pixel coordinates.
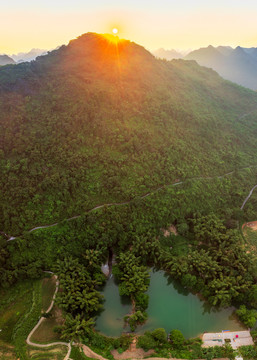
(234, 338)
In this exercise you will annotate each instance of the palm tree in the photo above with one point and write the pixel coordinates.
(76, 328)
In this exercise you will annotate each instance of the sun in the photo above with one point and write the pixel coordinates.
(115, 31)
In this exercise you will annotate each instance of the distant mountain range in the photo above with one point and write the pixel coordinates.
(167, 54)
(238, 65)
(21, 57)
(31, 55)
(6, 60)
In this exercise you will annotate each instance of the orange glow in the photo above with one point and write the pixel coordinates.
(114, 39)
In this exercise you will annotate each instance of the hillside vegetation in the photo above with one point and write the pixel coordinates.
(102, 121)
(82, 126)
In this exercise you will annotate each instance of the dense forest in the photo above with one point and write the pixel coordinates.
(79, 128)
(102, 121)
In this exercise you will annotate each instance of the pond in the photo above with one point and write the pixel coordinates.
(110, 322)
(170, 307)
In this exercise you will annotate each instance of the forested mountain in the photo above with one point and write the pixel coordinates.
(238, 65)
(6, 60)
(102, 120)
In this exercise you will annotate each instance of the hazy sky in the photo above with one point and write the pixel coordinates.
(26, 24)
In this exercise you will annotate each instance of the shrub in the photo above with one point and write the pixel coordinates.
(248, 317)
(159, 336)
(177, 339)
(146, 342)
(142, 301)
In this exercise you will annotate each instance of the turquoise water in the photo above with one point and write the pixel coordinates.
(170, 307)
(110, 322)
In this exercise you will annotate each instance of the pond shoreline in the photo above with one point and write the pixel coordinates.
(170, 306)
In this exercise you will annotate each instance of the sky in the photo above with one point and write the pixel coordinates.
(180, 24)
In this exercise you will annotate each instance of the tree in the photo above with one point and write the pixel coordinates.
(177, 339)
(74, 329)
(159, 335)
(146, 342)
(248, 317)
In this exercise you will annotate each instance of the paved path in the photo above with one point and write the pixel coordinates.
(29, 342)
(141, 197)
(90, 353)
(248, 197)
(236, 339)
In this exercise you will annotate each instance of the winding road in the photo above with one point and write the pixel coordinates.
(248, 197)
(29, 342)
(10, 238)
(86, 350)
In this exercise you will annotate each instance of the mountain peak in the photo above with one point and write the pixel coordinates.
(103, 54)
(204, 55)
(239, 50)
(6, 60)
(91, 57)
(105, 47)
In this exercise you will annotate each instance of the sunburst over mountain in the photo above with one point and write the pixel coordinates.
(114, 114)
(113, 163)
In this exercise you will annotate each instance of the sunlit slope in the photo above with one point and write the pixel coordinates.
(102, 120)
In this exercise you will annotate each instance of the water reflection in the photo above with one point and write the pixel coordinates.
(171, 306)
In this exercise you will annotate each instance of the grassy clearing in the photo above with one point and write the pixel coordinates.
(45, 333)
(20, 309)
(14, 305)
(48, 289)
(28, 321)
(6, 352)
(52, 353)
(177, 244)
(77, 354)
(251, 238)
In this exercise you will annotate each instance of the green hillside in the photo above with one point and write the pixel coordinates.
(158, 145)
(100, 121)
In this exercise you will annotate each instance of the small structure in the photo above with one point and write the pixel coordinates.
(235, 338)
(105, 269)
